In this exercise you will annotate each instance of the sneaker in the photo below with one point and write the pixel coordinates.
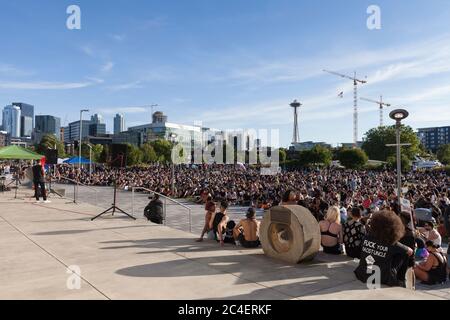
(47, 201)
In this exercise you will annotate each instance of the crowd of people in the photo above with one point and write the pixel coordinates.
(357, 211)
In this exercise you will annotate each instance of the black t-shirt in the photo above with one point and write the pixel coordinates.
(217, 219)
(389, 258)
(37, 173)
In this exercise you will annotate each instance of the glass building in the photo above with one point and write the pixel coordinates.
(11, 120)
(160, 129)
(26, 118)
(119, 124)
(46, 124)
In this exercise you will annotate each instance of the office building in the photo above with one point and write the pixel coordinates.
(26, 118)
(161, 129)
(46, 124)
(135, 138)
(119, 124)
(4, 139)
(308, 145)
(434, 137)
(11, 120)
(97, 127)
(72, 131)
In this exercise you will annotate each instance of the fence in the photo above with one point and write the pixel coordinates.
(166, 201)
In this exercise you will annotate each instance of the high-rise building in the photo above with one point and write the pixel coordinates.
(72, 131)
(11, 120)
(119, 124)
(48, 125)
(26, 118)
(97, 127)
(96, 118)
(432, 138)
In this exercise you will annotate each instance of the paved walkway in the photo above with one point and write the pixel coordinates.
(177, 216)
(120, 258)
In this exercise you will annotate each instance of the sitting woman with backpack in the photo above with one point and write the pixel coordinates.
(434, 269)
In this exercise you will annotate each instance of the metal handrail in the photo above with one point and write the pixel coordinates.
(76, 185)
(165, 204)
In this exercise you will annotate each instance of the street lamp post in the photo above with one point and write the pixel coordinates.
(81, 135)
(90, 160)
(398, 115)
(172, 138)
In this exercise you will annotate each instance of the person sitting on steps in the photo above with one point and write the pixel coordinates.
(247, 230)
(219, 222)
(434, 269)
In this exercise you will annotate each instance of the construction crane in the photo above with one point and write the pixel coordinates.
(382, 105)
(356, 81)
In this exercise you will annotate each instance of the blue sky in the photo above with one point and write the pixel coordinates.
(230, 64)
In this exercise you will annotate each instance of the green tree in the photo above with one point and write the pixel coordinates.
(104, 154)
(49, 141)
(163, 150)
(443, 154)
(134, 155)
(377, 138)
(405, 162)
(283, 155)
(352, 158)
(318, 155)
(96, 153)
(148, 154)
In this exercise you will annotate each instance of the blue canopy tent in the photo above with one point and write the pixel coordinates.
(76, 160)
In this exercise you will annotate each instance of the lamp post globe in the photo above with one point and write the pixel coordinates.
(399, 114)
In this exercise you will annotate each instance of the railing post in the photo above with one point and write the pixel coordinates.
(190, 221)
(75, 193)
(165, 210)
(132, 201)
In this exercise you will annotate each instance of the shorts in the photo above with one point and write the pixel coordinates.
(332, 250)
(248, 244)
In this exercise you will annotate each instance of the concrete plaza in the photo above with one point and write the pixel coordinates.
(120, 258)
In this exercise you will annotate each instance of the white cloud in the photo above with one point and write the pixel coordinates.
(107, 66)
(88, 50)
(124, 110)
(118, 37)
(126, 86)
(13, 71)
(44, 85)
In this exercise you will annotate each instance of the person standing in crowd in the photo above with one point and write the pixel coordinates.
(247, 230)
(210, 208)
(219, 222)
(331, 231)
(39, 182)
(354, 233)
(154, 211)
(382, 248)
(434, 269)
